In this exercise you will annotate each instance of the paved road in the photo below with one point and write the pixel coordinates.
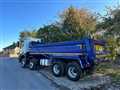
(13, 77)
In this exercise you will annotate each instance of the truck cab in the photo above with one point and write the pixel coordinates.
(26, 46)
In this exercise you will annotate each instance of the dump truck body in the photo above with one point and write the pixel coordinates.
(77, 54)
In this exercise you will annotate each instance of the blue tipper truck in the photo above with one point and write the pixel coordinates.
(70, 58)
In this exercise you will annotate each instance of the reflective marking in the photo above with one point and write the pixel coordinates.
(61, 54)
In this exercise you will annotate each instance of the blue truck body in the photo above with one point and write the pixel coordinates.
(83, 52)
(69, 50)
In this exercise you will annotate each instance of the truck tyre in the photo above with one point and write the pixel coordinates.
(73, 71)
(23, 62)
(58, 69)
(32, 64)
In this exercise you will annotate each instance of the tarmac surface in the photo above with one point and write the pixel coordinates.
(13, 77)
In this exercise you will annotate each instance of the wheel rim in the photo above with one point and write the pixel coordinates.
(56, 69)
(72, 72)
(31, 65)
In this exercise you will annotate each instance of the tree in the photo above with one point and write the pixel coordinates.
(110, 22)
(49, 33)
(33, 33)
(25, 34)
(77, 23)
(111, 25)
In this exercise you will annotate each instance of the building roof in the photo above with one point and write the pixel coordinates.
(11, 46)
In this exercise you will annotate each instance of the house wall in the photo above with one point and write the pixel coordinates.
(11, 52)
(14, 52)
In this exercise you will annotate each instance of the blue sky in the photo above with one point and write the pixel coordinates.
(18, 15)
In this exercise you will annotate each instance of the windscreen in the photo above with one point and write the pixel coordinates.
(34, 43)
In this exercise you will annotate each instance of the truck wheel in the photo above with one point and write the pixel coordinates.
(58, 69)
(23, 62)
(74, 71)
(32, 64)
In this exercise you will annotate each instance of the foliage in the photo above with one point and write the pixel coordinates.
(24, 34)
(49, 33)
(77, 23)
(73, 24)
(111, 25)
